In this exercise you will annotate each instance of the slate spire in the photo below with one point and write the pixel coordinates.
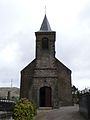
(45, 26)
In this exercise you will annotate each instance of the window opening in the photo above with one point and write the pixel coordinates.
(45, 43)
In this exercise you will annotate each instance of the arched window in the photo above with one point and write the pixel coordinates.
(45, 43)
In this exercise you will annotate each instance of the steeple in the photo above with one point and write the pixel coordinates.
(45, 26)
(45, 40)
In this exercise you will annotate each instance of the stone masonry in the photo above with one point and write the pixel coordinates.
(46, 80)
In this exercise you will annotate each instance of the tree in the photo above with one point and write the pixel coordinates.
(75, 94)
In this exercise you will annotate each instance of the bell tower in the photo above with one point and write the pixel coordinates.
(45, 40)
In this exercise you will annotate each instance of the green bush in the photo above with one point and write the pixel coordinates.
(24, 110)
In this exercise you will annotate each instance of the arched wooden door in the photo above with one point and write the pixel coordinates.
(45, 97)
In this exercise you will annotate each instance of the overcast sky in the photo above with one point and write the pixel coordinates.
(19, 19)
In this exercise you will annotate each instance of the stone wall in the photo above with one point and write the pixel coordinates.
(64, 84)
(6, 105)
(46, 70)
(27, 79)
(84, 105)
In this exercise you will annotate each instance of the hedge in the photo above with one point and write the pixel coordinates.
(24, 110)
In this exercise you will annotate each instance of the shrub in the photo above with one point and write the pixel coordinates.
(24, 110)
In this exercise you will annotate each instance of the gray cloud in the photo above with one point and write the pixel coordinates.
(17, 26)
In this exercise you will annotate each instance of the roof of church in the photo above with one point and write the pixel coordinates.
(32, 66)
(45, 26)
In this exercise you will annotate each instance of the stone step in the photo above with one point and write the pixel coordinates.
(45, 108)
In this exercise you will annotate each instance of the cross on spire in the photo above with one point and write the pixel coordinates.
(45, 9)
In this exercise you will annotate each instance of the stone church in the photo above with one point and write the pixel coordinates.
(46, 80)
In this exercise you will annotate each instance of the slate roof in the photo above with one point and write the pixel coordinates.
(45, 26)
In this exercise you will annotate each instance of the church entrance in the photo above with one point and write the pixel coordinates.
(45, 97)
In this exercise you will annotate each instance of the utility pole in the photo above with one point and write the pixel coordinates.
(11, 83)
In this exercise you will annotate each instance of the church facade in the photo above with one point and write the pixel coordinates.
(46, 80)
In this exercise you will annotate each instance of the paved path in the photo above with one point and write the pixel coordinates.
(64, 113)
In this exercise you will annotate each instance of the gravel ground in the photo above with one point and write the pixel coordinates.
(64, 113)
